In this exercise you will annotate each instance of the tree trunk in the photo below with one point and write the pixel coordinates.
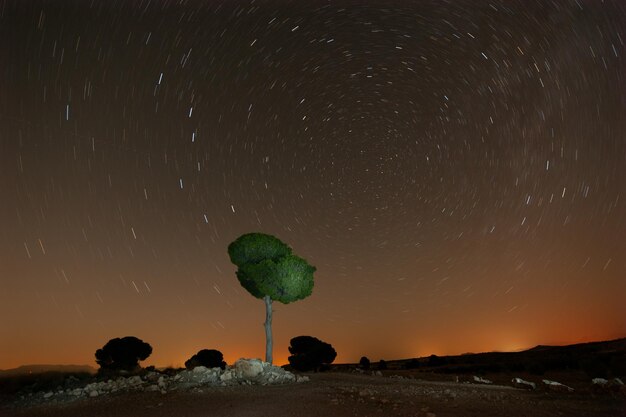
(268, 328)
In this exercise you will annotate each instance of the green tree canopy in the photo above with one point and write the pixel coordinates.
(287, 279)
(253, 248)
(268, 270)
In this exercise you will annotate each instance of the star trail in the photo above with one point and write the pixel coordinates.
(454, 169)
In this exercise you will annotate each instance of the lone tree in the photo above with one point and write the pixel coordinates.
(269, 271)
(310, 354)
(364, 363)
(209, 358)
(123, 354)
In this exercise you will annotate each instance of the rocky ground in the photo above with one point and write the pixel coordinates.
(257, 389)
(243, 372)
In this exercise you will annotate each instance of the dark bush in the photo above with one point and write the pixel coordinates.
(382, 365)
(617, 365)
(516, 367)
(171, 371)
(122, 354)
(411, 364)
(364, 363)
(309, 353)
(434, 360)
(536, 368)
(209, 358)
(45, 381)
(595, 367)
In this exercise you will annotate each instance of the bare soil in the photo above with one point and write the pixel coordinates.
(340, 394)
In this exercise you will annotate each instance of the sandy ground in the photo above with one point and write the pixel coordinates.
(339, 394)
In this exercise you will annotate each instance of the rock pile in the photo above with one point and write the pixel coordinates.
(613, 382)
(557, 386)
(481, 380)
(520, 383)
(615, 385)
(243, 372)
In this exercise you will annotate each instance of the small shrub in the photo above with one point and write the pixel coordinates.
(122, 354)
(309, 353)
(209, 358)
(434, 360)
(411, 364)
(595, 367)
(364, 363)
(536, 368)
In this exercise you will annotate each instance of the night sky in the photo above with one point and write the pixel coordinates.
(454, 169)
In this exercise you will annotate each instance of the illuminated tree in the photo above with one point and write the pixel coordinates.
(269, 271)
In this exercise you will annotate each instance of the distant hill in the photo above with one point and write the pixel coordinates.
(599, 359)
(39, 369)
(606, 346)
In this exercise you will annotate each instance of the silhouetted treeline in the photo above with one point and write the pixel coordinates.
(310, 354)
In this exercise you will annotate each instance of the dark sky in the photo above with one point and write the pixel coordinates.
(454, 169)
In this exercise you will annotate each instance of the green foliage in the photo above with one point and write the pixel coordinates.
(271, 270)
(253, 248)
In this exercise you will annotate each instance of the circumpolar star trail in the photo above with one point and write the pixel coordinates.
(454, 169)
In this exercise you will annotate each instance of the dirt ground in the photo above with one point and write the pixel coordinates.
(342, 395)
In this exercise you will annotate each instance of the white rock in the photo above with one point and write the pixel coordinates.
(481, 380)
(557, 386)
(48, 394)
(227, 376)
(93, 393)
(521, 382)
(153, 388)
(599, 381)
(135, 380)
(249, 368)
(200, 369)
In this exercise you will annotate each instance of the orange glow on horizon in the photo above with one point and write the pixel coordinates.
(449, 204)
(349, 355)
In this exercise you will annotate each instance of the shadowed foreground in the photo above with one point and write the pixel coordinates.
(339, 394)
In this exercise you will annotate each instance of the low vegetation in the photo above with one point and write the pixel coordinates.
(310, 354)
(209, 358)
